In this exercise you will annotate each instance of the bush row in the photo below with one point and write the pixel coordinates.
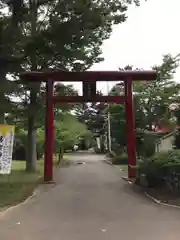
(121, 159)
(162, 169)
(159, 170)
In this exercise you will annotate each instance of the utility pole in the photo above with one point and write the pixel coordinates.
(109, 125)
(109, 131)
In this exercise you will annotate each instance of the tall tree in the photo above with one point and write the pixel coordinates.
(117, 125)
(151, 103)
(153, 99)
(85, 25)
(93, 115)
(68, 131)
(177, 135)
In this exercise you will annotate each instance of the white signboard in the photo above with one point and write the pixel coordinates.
(6, 148)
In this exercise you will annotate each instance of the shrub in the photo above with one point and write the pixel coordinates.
(145, 142)
(19, 149)
(111, 154)
(120, 159)
(19, 152)
(177, 135)
(161, 169)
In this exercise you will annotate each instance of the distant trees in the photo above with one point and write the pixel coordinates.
(151, 105)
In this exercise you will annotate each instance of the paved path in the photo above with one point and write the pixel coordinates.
(90, 202)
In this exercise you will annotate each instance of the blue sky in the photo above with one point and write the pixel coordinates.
(151, 30)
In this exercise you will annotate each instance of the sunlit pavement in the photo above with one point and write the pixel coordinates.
(90, 201)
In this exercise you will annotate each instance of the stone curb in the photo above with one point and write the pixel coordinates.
(108, 160)
(5, 211)
(127, 180)
(34, 194)
(155, 200)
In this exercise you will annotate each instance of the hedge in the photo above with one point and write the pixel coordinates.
(162, 169)
(121, 159)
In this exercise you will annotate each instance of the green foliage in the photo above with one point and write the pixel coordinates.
(117, 121)
(31, 39)
(146, 142)
(92, 114)
(84, 24)
(94, 117)
(19, 150)
(118, 129)
(111, 154)
(37, 44)
(19, 145)
(161, 169)
(151, 108)
(177, 133)
(121, 159)
(68, 131)
(153, 99)
(177, 139)
(19, 185)
(40, 142)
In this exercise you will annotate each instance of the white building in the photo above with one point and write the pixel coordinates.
(165, 143)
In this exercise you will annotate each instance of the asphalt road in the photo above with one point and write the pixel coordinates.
(90, 201)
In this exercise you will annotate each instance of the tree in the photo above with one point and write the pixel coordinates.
(68, 131)
(93, 115)
(19, 113)
(83, 33)
(151, 105)
(153, 100)
(117, 125)
(177, 135)
(85, 25)
(117, 119)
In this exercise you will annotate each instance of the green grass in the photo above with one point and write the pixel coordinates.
(19, 184)
(67, 155)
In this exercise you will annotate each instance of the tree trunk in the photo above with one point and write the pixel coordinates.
(31, 147)
(102, 147)
(59, 158)
(31, 157)
(3, 71)
(60, 155)
(2, 115)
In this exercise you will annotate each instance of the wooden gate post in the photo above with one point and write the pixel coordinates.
(49, 133)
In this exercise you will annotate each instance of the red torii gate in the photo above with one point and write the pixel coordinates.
(88, 78)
